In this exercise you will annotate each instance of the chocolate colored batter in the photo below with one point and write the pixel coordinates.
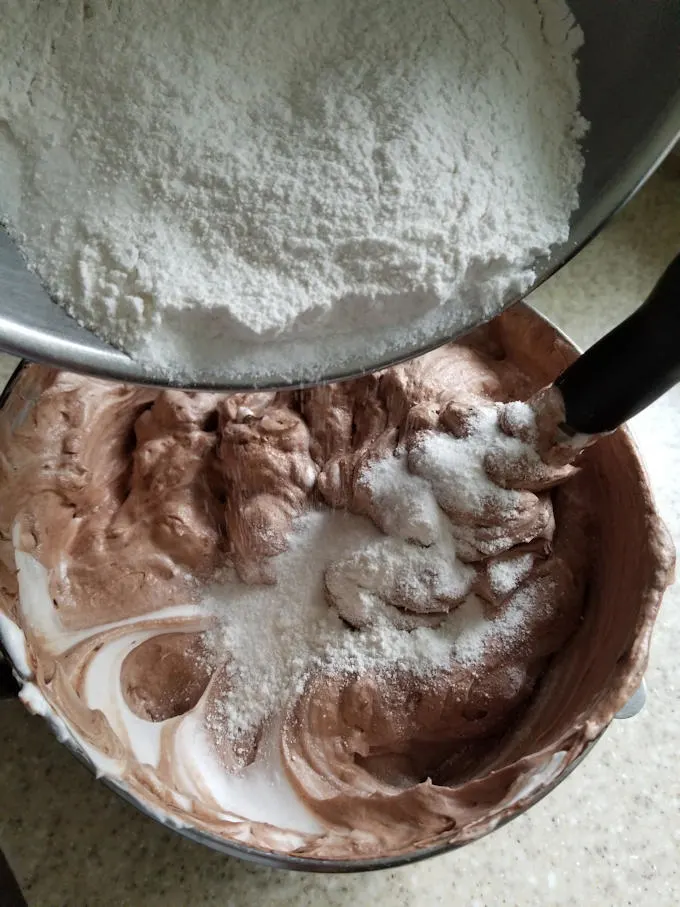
(133, 499)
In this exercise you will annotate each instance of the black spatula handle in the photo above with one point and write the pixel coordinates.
(630, 366)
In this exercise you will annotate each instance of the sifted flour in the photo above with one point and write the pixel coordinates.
(276, 635)
(279, 189)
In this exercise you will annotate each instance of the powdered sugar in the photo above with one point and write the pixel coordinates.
(424, 580)
(406, 596)
(283, 190)
(276, 635)
(455, 467)
(405, 501)
(521, 418)
(506, 574)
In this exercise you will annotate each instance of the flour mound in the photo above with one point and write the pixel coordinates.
(277, 189)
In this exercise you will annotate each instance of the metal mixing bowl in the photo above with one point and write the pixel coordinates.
(630, 78)
(631, 656)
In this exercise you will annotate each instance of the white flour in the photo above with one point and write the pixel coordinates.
(506, 575)
(275, 635)
(281, 188)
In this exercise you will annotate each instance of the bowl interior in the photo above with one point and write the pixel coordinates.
(584, 686)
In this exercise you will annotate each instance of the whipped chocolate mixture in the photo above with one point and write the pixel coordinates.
(120, 506)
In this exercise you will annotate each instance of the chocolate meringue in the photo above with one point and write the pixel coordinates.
(478, 605)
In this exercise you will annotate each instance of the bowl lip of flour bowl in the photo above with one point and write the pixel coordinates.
(520, 804)
(33, 326)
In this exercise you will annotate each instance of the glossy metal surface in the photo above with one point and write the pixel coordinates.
(630, 76)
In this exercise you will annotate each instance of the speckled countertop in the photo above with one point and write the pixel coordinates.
(608, 836)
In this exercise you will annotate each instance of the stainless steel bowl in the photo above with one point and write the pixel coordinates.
(630, 77)
(632, 645)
